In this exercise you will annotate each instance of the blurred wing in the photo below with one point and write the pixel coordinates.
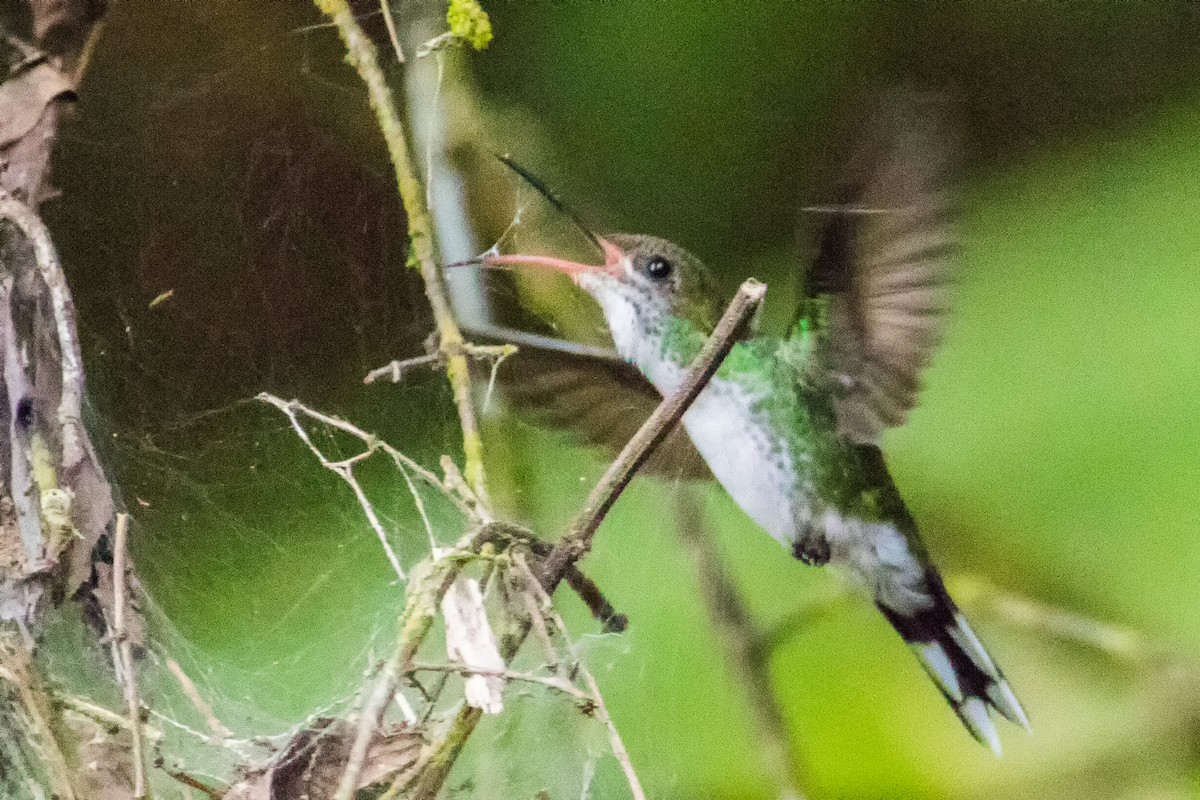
(883, 268)
(592, 393)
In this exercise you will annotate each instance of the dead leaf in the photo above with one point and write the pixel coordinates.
(469, 639)
(312, 764)
(24, 97)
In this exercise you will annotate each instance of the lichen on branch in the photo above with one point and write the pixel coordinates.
(469, 22)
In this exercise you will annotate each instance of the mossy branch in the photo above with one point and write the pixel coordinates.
(363, 56)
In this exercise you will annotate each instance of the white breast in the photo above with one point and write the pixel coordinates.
(762, 478)
(755, 471)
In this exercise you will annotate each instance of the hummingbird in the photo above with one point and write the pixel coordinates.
(791, 426)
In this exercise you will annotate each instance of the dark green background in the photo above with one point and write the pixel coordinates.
(223, 151)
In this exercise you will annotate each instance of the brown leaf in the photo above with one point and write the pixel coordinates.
(24, 97)
(312, 765)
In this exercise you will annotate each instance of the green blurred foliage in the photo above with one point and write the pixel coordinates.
(223, 151)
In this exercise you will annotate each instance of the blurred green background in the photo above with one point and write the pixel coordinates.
(223, 151)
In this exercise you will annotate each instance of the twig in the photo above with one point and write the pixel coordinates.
(344, 470)
(395, 370)
(361, 54)
(445, 751)
(120, 552)
(102, 715)
(372, 442)
(611, 620)
(538, 617)
(424, 600)
(743, 651)
(578, 540)
(20, 672)
(465, 669)
(1123, 643)
(195, 783)
(198, 701)
(614, 737)
(391, 29)
(24, 489)
(74, 441)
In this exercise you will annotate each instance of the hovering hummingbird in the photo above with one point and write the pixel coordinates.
(791, 427)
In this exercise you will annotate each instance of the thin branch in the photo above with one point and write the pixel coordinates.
(420, 504)
(743, 651)
(391, 29)
(537, 616)
(197, 784)
(601, 710)
(24, 488)
(614, 737)
(362, 55)
(107, 718)
(432, 773)
(74, 441)
(578, 540)
(344, 470)
(19, 671)
(424, 600)
(372, 442)
(395, 370)
(977, 593)
(455, 668)
(120, 599)
(197, 700)
(611, 620)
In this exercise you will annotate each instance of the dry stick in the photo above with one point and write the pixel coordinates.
(743, 649)
(372, 442)
(197, 700)
(98, 713)
(345, 470)
(362, 55)
(614, 737)
(396, 370)
(977, 593)
(131, 691)
(34, 702)
(24, 490)
(424, 600)
(578, 540)
(391, 29)
(454, 668)
(538, 620)
(445, 751)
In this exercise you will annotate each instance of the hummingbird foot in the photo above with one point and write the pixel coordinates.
(812, 547)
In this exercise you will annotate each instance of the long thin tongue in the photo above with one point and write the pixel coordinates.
(613, 256)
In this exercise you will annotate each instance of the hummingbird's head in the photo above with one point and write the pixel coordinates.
(643, 282)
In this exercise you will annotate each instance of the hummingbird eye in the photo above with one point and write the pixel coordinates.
(658, 268)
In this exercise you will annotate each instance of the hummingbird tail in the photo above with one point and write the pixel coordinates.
(957, 662)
